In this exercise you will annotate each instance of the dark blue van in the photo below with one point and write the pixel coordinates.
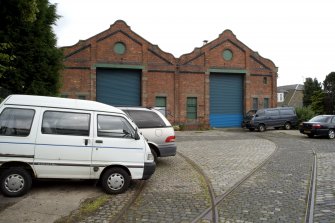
(281, 117)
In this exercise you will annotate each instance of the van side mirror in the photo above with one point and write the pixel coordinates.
(136, 135)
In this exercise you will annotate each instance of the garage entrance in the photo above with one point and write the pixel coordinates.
(119, 87)
(226, 99)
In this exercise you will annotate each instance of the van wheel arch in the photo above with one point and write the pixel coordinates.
(22, 165)
(114, 166)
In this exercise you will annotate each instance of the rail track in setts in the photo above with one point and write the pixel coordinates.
(280, 187)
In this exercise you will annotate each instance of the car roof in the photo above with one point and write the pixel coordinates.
(134, 108)
(166, 121)
(55, 102)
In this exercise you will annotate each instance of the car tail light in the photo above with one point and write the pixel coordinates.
(316, 126)
(170, 139)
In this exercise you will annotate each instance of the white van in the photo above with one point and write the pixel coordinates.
(48, 137)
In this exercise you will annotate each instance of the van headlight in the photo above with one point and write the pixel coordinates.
(150, 157)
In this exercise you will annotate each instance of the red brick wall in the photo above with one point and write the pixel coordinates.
(165, 75)
(160, 84)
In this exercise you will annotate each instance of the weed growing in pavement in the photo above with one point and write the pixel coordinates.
(86, 208)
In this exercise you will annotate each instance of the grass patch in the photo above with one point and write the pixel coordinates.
(86, 208)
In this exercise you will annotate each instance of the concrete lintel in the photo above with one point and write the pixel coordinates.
(224, 70)
(122, 66)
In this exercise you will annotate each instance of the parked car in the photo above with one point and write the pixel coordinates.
(47, 137)
(156, 128)
(281, 117)
(321, 125)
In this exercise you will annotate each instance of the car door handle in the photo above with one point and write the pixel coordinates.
(86, 142)
(99, 141)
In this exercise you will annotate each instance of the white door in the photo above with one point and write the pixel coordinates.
(64, 144)
(115, 144)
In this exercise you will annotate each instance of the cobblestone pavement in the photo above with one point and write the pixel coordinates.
(225, 161)
(175, 193)
(325, 193)
(276, 192)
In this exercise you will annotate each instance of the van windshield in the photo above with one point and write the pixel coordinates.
(251, 113)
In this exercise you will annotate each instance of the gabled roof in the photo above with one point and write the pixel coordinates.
(227, 36)
(298, 87)
(119, 27)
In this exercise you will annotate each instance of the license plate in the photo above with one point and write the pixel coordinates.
(307, 131)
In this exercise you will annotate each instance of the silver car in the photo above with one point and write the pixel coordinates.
(156, 128)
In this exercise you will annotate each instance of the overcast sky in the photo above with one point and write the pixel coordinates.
(297, 35)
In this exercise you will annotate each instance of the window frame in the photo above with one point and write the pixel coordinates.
(280, 97)
(265, 80)
(267, 102)
(130, 127)
(255, 99)
(190, 106)
(31, 123)
(159, 107)
(68, 112)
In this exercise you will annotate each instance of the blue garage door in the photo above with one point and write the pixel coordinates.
(226, 100)
(119, 87)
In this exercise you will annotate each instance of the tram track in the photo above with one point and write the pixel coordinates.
(309, 216)
(131, 201)
(215, 201)
(211, 214)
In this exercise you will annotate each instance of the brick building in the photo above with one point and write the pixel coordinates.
(212, 86)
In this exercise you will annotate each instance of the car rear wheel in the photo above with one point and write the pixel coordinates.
(331, 134)
(155, 155)
(287, 126)
(15, 182)
(115, 180)
(261, 127)
(310, 135)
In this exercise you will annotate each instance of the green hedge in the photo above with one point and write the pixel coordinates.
(304, 114)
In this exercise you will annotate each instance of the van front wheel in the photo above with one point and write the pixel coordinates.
(115, 181)
(261, 128)
(287, 126)
(15, 182)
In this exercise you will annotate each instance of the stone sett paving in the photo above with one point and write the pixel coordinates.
(226, 162)
(176, 193)
(275, 193)
(114, 205)
(324, 210)
(325, 193)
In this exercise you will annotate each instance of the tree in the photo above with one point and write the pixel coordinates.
(318, 102)
(30, 60)
(329, 87)
(310, 87)
(5, 58)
